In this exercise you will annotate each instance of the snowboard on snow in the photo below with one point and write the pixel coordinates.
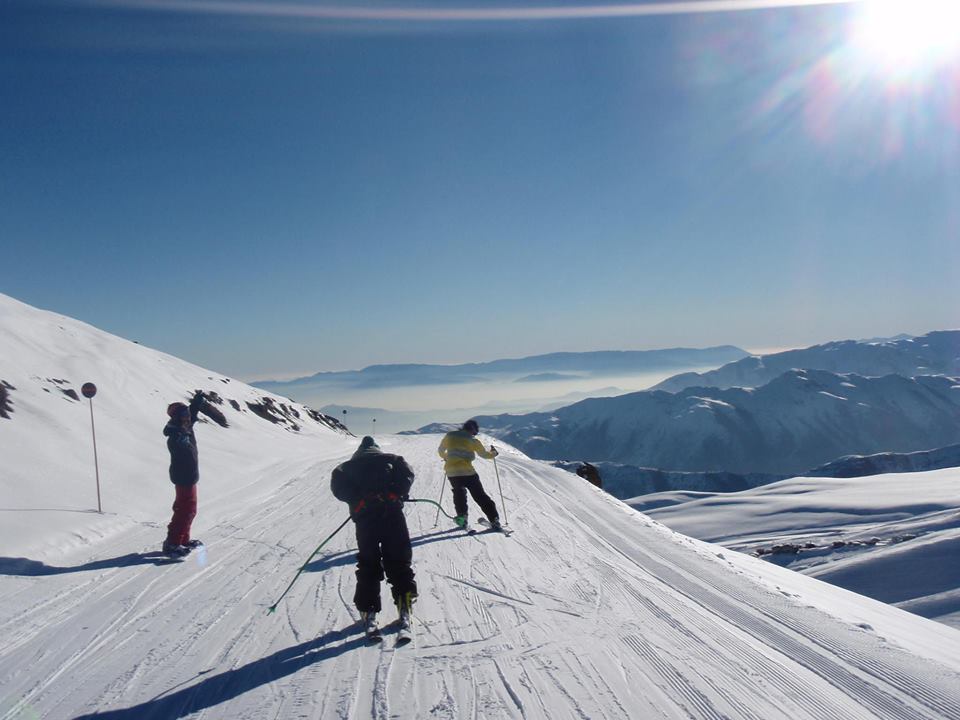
(175, 557)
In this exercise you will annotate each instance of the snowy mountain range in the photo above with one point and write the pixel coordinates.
(590, 609)
(936, 353)
(799, 420)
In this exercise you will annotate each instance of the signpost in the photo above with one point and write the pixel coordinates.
(88, 391)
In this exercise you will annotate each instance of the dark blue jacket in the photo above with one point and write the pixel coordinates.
(182, 444)
(372, 481)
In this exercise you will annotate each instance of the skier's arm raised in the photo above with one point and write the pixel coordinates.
(196, 405)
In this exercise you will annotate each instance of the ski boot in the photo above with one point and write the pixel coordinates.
(404, 610)
(174, 551)
(368, 618)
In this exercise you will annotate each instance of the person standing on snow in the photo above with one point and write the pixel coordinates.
(458, 449)
(184, 474)
(374, 484)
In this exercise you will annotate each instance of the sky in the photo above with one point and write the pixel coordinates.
(268, 191)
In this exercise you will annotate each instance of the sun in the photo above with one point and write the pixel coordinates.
(903, 37)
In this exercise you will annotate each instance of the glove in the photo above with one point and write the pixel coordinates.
(494, 451)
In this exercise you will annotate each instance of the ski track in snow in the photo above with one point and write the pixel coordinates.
(588, 610)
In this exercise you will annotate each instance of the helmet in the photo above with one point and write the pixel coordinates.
(176, 409)
(471, 426)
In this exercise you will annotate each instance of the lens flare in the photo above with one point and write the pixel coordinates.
(903, 37)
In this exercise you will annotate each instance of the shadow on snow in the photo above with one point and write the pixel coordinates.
(34, 568)
(26, 567)
(232, 683)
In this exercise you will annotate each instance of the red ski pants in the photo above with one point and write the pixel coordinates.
(184, 511)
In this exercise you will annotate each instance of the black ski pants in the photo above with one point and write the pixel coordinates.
(383, 545)
(461, 484)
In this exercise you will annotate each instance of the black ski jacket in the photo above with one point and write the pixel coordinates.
(182, 444)
(371, 480)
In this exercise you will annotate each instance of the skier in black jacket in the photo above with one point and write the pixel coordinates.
(184, 474)
(374, 484)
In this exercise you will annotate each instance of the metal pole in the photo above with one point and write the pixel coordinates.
(96, 463)
(502, 503)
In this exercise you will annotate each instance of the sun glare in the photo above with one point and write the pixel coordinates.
(906, 36)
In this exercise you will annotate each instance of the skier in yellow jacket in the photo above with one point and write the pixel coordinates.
(458, 449)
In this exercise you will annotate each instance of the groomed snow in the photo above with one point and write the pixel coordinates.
(893, 537)
(588, 610)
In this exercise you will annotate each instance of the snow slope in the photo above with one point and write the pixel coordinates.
(893, 537)
(48, 495)
(588, 610)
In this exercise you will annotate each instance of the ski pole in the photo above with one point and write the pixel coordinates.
(502, 503)
(273, 607)
(443, 484)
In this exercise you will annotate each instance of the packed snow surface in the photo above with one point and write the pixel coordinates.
(894, 537)
(589, 609)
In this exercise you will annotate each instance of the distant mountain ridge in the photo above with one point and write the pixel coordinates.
(628, 481)
(851, 466)
(936, 353)
(596, 363)
(801, 419)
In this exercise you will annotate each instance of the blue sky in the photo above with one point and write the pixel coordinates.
(268, 195)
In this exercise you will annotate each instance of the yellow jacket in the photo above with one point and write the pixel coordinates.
(458, 450)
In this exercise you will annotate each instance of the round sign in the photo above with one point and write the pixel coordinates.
(88, 390)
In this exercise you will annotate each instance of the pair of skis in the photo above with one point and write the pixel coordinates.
(488, 528)
(404, 634)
